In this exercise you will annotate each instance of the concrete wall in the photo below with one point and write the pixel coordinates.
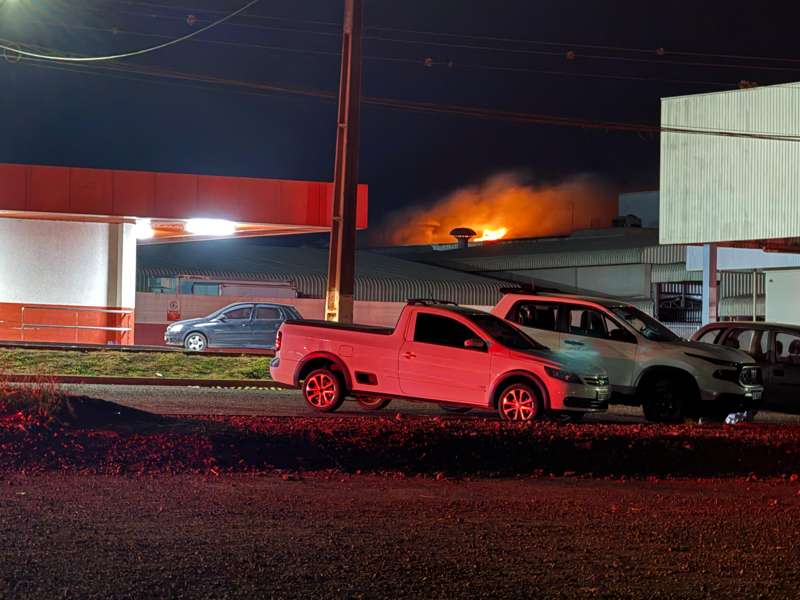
(783, 297)
(63, 281)
(67, 263)
(627, 281)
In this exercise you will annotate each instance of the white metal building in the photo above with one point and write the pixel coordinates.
(730, 177)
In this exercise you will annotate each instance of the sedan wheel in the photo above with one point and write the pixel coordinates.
(323, 390)
(520, 402)
(195, 342)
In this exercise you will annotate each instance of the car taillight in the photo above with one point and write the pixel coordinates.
(278, 340)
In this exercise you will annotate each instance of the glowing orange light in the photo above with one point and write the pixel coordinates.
(489, 235)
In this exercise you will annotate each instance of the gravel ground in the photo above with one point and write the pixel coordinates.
(289, 403)
(73, 536)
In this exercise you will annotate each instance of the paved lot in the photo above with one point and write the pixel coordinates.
(78, 536)
(202, 401)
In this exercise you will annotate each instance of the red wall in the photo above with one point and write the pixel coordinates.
(116, 193)
(65, 324)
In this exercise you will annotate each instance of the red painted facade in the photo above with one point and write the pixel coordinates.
(114, 193)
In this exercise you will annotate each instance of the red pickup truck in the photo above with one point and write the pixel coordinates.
(458, 357)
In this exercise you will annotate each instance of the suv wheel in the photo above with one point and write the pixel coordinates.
(665, 398)
(323, 390)
(520, 402)
(372, 403)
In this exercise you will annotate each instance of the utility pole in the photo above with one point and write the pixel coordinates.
(341, 258)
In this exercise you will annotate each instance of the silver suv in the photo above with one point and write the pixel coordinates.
(647, 363)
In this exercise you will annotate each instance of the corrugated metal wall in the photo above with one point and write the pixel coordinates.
(726, 188)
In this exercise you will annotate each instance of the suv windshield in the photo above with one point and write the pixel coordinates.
(644, 324)
(502, 332)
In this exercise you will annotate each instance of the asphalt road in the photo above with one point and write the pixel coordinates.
(79, 536)
(289, 403)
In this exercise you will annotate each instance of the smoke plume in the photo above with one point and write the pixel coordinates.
(505, 202)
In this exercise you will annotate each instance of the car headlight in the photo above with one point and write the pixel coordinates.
(175, 328)
(563, 375)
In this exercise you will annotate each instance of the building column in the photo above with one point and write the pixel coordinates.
(710, 284)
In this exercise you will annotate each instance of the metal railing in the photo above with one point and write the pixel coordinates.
(76, 327)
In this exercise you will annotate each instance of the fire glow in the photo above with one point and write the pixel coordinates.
(490, 235)
(502, 207)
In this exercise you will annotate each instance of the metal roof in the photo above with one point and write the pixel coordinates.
(378, 277)
(583, 249)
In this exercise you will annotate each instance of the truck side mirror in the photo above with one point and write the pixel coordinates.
(474, 344)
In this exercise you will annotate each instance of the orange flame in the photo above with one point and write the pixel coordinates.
(491, 206)
(490, 235)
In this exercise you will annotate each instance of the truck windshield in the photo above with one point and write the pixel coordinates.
(644, 324)
(503, 333)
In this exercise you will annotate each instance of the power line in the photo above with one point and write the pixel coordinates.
(455, 110)
(422, 61)
(76, 59)
(567, 45)
(528, 51)
(212, 11)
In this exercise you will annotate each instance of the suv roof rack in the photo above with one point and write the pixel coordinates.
(429, 301)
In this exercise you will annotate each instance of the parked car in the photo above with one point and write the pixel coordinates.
(458, 357)
(775, 347)
(240, 325)
(646, 362)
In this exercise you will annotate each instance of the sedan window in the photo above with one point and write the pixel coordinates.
(267, 312)
(710, 336)
(240, 313)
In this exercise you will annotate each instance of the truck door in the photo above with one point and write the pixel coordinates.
(435, 364)
(594, 336)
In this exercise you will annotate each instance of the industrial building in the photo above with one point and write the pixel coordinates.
(730, 185)
(68, 238)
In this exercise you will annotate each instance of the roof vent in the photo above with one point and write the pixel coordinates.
(463, 235)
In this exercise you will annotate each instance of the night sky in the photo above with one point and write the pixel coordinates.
(98, 118)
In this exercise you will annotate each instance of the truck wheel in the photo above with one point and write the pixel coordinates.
(195, 342)
(664, 399)
(456, 410)
(323, 390)
(520, 402)
(370, 403)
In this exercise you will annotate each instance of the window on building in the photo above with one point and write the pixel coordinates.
(537, 315)
(205, 289)
(679, 302)
(442, 331)
(161, 285)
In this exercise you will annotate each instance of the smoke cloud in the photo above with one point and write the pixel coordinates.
(505, 201)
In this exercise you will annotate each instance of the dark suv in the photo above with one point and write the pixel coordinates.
(240, 325)
(775, 347)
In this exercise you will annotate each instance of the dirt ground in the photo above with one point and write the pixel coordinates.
(239, 536)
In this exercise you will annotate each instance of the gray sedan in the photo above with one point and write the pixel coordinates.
(240, 325)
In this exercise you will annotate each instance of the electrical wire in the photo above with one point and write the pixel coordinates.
(212, 11)
(568, 45)
(528, 51)
(434, 108)
(84, 59)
